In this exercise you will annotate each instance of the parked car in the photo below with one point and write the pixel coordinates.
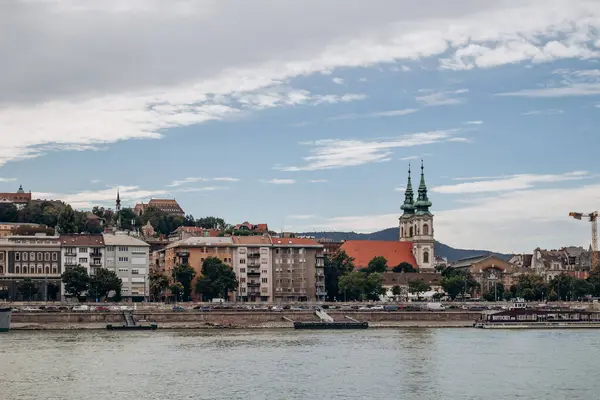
(435, 307)
(81, 307)
(178, 308)
(390, 308)
(276, 309)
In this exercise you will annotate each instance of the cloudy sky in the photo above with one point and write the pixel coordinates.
(305, 114)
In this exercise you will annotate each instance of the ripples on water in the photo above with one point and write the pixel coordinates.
(374, 364)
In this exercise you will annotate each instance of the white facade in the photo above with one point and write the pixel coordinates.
(129, 258)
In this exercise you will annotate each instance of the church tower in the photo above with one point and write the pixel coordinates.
(416, 224)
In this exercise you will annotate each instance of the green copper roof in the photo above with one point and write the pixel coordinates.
(422, 204)
(20, 189)
(408, 206)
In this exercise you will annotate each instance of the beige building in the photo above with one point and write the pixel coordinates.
(253, 266)
(298, 270)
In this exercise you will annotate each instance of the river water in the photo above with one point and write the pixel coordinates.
(374, 364)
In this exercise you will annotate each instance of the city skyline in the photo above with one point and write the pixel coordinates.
(312, 132)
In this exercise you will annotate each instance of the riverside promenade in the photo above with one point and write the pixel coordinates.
(196, 319)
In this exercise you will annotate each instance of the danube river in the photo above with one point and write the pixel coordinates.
(374, 364)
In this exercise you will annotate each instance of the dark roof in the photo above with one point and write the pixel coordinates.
(82, 240)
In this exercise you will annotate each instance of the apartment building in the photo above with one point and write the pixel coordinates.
(194, 250)
(84, 250)
(253, 266)
(298, 270)
(129, 258)
(36, 257)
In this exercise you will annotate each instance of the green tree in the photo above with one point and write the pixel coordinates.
(30, 230)
(93, 227)
(66, 224)
(353, 285)
(404, 267)
(189, 220)
(104, 282)
(396, 291)
(98, 211)
(8, 212)
(531, 287)
(377, 264)
(418, 286)
(176, 289)
(27, 288)
(211, 223)
(159, 282)
(374, 286)
(218, 279)
(184, 274)
(76, 280)
(494, 293)
(52, 291)
(50, 216)
(457, 282)
(336, 265)
(129, 219)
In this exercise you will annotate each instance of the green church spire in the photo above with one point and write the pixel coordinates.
(408, 206)
(422, 204)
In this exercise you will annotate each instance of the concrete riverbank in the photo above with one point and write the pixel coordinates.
(236, 320)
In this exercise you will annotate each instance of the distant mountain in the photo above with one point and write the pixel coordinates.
(391, 234)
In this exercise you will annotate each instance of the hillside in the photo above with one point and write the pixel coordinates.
(441, 249)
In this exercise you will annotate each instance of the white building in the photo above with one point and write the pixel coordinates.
(84, 250)
(253, 266)
(129, 258)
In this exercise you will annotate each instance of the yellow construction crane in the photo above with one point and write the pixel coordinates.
(593, 216)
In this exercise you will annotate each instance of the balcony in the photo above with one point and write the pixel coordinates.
(253, 273)
(254, 254)
(95, 253)
(183, 253)
(253, 284)
(254, 264)
(254, 294)
(71, 263)
(320, 255)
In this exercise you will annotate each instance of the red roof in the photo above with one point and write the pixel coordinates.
(364, 251)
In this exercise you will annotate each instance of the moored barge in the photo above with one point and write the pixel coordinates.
(538, 319)
(5, 319)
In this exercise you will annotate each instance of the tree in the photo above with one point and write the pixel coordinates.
(50, 216)
(211, 223)
(418, 286)
(218, 279)
(184, 274)
(8, 212)
(103, 282)
(396, 291)
(176, 289)
(66, 224)
(457, 282)
(52, 291)
(494, 293)
(27, 288)
(377, 264)
(93, 227)
(374, 286)
(129, 219)
(76, 280)
(159, 282)
(531, 287)
(404, 267)
(189, 220)
(353, 285)
(336, 265)
(98, 211)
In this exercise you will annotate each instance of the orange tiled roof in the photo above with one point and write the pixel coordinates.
(364, 251)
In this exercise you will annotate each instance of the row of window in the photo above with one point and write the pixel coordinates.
(412, 230)
(263, 261)
(31, 256)
(290, 251)
(263, 280)
(243, 271)
(33, 269)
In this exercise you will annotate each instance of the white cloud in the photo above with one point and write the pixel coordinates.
(375, 114)
(442, 98)
(318, 181)
(363, 79)
(551, 111)
(579, 89)
(474, 122)
(189, 180)
(508, 183)
(338, 81)
(8, 179)
(201, 189)
(127, 92)
(89, 198)
(276, 181)
(337, 153)
(408, 158)
(301, 216)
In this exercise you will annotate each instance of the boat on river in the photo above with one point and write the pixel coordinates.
(520, 318)
(5, 319)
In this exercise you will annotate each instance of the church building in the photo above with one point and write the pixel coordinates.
(416, 224)
(416, 243)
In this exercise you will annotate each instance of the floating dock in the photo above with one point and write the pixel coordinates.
(331, 325)
(5, 319)
(132, 325)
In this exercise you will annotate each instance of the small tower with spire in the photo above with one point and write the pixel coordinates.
(416, 223)
(118, 210)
